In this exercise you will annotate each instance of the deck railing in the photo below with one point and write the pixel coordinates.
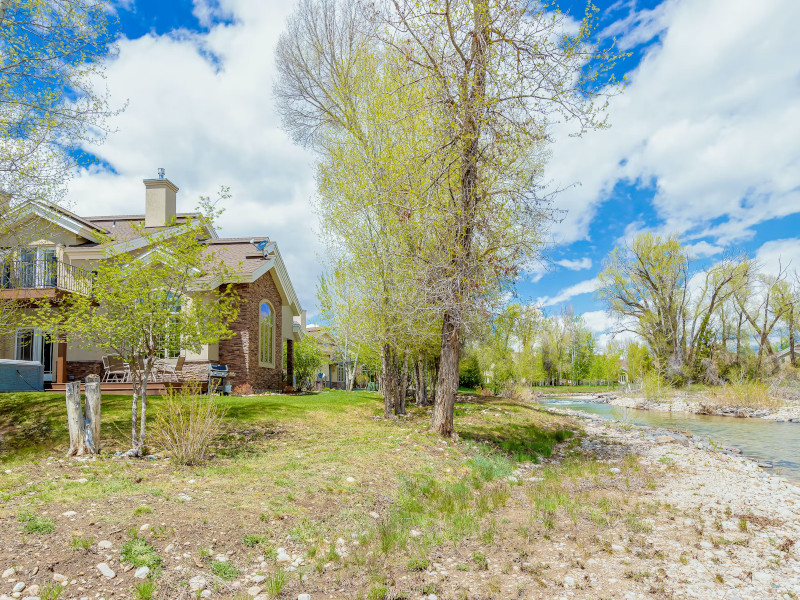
(44, 274)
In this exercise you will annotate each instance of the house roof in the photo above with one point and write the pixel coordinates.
(239, 254)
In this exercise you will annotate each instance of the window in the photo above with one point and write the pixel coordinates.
(266, 335)
(171, 347)
(340, 372)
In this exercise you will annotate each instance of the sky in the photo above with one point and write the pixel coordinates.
(704, 141)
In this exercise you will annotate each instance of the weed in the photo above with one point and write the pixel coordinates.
(481, 561)
(51, 592)
(251, 540)
(224, 570)
(742, 524)
(275, 583)
(33, 523)
(138, 552)
(378, 592)
(81, 543)
(418, 564)
(637, 575)
(144, 590)
(142, 510)
(429, 588)
(462, 567)
(205, 553)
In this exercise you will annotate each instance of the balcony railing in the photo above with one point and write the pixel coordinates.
(44, 274)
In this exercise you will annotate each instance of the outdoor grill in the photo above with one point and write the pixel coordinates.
(216, 377)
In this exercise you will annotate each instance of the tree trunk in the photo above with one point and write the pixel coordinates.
(447, 382)
(134, 411)
(75, 419)
(792, 354)
(143, 417)
(395, 375)
(386, 381)
(92, 417)
(419, 384)
(403, 386)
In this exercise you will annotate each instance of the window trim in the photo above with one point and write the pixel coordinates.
(262, 363)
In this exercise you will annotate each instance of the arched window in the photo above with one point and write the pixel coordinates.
(266, 335)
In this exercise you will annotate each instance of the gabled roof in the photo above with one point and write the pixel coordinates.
(60, 217)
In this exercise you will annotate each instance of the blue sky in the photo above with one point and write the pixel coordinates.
(704, 143)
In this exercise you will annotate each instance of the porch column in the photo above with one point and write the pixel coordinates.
(290, 363)
(61, 360)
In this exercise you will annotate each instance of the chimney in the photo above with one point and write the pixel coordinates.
(159, 201)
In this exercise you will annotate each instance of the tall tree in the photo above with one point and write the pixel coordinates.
(493, 74)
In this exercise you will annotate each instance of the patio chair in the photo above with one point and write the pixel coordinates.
(115, 369)
(173, 372)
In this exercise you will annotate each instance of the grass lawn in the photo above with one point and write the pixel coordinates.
(310, 494)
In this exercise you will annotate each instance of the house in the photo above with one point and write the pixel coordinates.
(47, 248)
(784, 357)
(331, 372)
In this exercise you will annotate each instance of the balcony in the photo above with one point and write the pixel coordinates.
(35, 279)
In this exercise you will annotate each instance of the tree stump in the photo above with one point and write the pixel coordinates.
(75, 419)
(92, 418)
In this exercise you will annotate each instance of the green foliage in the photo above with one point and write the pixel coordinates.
(144, 590)
(419, 563)
(33, 523)
(307, 360)
(138, 552)
(51, 592)
(224, 570)
(81, 543)
(469, 372)
(378, 592)
(275, 583)
(252, 540)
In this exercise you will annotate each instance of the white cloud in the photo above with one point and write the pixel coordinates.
(779, 254)
(710, 121)
(584, 287)
(578, 264)
(702, 249)
(201, 106)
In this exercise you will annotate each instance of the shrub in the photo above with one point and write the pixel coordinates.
(742, 393)
(654, 386)
(186, 425)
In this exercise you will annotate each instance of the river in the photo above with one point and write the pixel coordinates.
(763, 440)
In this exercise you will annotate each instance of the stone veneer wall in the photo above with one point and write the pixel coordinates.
(240, 352)
(77, 370)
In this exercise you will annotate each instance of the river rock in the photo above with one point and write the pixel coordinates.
(104, 545)
(615, 471)
(106, 570)
(9, 572)
(254, 591)
(304, 597)
(197, 583)
(257, 578)
(141, 572)
(19, 586)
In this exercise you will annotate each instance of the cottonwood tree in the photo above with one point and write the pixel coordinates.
(52, 61)
(495, 74)
(144, 306)
(307, 359)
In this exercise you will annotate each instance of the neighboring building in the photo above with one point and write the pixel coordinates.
(331, 372)
(58, 245)
(784, 357)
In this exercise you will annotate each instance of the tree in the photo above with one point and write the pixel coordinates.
(307, 359)
(147, 306)
(340, 307)
(53, 56)
(646, 285)
(491, 86)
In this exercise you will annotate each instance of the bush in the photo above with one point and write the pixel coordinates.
(655, 387)
(186, 425)
(743, 393)
(469, 375)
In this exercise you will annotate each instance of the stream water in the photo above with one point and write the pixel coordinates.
(763, 440)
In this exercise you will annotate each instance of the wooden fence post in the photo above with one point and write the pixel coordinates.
(75, 419)
(92, 417)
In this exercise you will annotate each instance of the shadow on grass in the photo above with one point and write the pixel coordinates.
(36, 422)
(523, 441)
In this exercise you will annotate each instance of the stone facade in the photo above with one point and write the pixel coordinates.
(240, 352)
(77, 370)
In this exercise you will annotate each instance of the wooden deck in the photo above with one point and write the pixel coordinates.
(116, 387)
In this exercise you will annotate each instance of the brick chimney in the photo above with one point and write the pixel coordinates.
(159, 201)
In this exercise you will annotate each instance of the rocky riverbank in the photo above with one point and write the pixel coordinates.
(734, 526)
(698, 404)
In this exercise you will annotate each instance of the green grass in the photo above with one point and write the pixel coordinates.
(275, 583)
(224, 570)
(81, 543)
(144, 590)
(138, 552)
(33, 523)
